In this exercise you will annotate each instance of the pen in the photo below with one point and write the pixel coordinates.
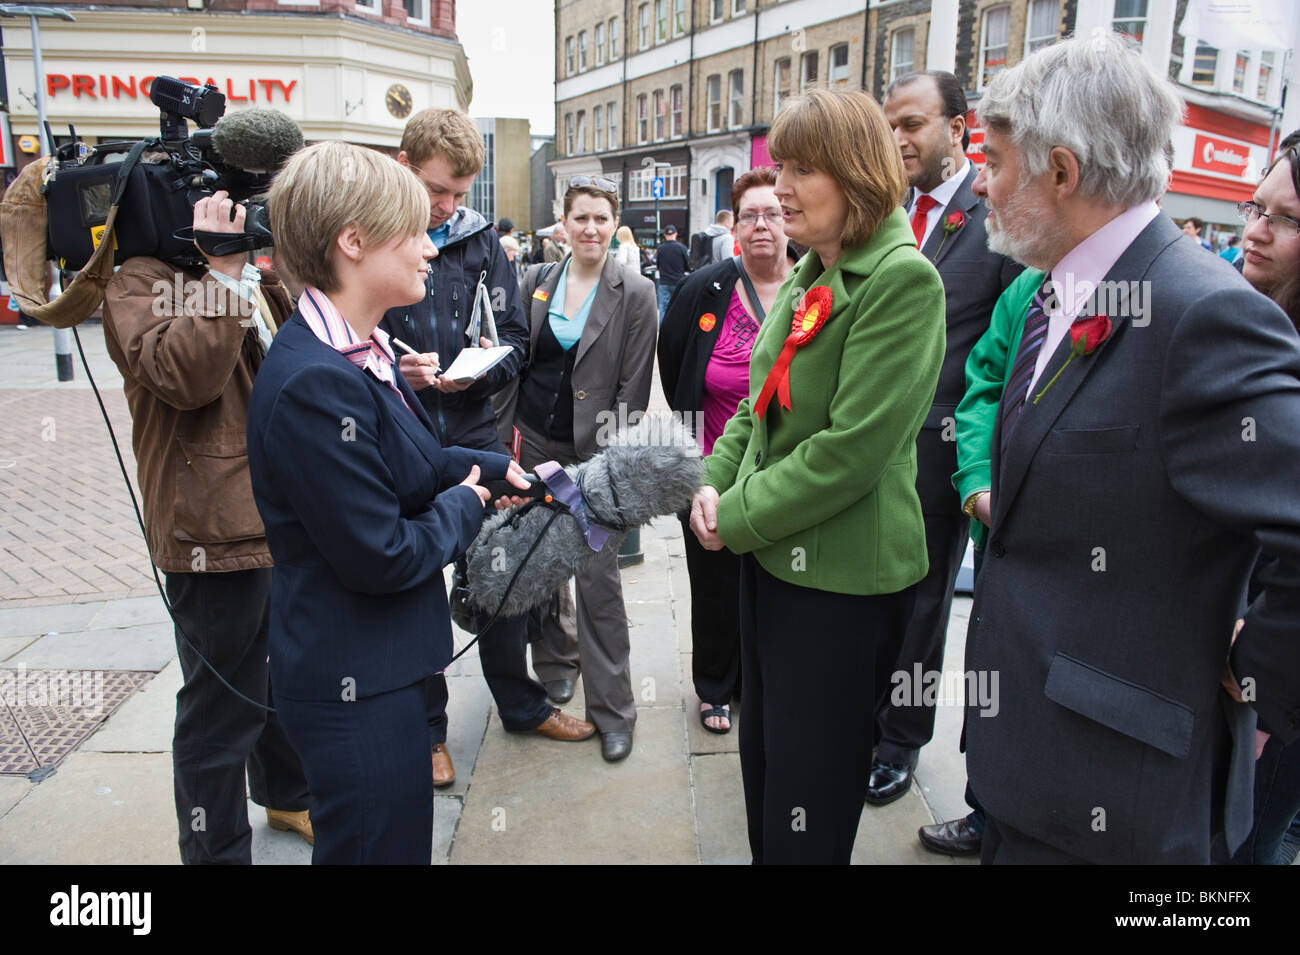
(409, 350)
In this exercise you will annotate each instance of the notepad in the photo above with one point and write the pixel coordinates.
(473, 363)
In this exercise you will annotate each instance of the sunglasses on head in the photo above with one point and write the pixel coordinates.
(607, 185)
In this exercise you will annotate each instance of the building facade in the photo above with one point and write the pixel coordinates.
(685, 90)
(343, 69)
(503, 189)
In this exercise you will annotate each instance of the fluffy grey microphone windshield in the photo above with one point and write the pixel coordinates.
(256, 140)
(652, 468)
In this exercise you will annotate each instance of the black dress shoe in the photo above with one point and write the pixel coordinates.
(560, 691)
(954, 838)
(615, 746)
(887, 782)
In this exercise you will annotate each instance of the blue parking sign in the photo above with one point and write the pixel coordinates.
(657, 187)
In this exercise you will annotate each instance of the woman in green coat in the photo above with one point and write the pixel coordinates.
(813, 481)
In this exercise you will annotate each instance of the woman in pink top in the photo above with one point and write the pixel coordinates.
(704, 345)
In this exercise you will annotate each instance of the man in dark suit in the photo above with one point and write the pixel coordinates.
(927, 112)
(1145, 448)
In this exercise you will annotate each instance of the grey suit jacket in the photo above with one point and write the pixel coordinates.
(1128, 510)
(616, 354)
(973, 278)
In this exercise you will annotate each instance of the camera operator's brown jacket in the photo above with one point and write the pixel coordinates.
(188, 365)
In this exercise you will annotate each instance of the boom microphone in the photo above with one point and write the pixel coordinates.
(256, 140)
(523, 555)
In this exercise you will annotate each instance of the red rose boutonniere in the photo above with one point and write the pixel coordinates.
(1085, 335)
(951, 223)
(808, 320)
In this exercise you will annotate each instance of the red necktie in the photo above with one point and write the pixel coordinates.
(920, 213)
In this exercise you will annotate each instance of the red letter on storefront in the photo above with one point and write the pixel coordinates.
(119, 87)
(55, 81)
(83, 83)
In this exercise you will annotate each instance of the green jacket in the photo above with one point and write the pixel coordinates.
(824, 495)
(987, 368)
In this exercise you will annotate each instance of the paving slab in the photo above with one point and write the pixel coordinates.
(271, 847)
(97, 809)
(720, 809)
(654, 660)
(941, 772)
(468, 705)
(561, 803)
(446, 817)
(146, 646)
(13, 646)
(33, 622)
(13, 789)
(130, 612)
(144, 723)
(887, 834)
(699, 740)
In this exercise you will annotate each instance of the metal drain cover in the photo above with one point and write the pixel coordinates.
(45, 714)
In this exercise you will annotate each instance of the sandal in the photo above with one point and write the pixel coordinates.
(720, 711)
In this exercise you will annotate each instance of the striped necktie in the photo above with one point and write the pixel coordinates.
(1016, 390)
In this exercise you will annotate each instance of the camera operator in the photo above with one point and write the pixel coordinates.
(188, 342)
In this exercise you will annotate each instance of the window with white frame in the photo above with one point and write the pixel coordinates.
(1239, 69)
(679, 17)
(737, 7)
(716, 9)
(1130, 18)
(713, 102)
(780, 83)
(675, 110)
(808, 70)
(1042, 24)
(640, 185)
(613, 39)
(643, 26)
(598, 128)
(568, 134)
(661, 116)
(993, 43)
(600, 44)
(582, 130)
(417, 10)
(1205, 65)
(902, 53)
(370, 6)
(1265, 75)
(611, 111)
(839, 66)
(736, 99)
(582, 51)
(568, 56)
(642, 119)
(661, 20)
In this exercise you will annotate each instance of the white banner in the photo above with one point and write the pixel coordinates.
(1241, 24)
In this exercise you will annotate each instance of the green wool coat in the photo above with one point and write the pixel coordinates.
(824, 495)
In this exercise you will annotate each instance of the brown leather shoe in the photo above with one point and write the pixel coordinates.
(562, 726)
(298, 822)
(444, 773)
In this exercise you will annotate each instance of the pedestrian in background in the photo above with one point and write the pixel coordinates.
(672, 260)
(627, 254)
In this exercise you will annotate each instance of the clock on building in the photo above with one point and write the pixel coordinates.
(398, 100)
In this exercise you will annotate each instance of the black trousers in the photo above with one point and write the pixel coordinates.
(226, 617)
(715, 624)
(1006, 845)
(810, 661)
(367, 761)
(903, 730)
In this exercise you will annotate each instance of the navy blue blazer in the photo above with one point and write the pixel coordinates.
(362, 513)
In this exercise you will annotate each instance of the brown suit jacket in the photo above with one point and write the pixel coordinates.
(615, 361)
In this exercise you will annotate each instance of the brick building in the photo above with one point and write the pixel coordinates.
(688, 88)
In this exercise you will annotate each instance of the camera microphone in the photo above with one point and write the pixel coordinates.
(256, 140)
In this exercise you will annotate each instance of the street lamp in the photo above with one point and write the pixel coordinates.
(647, 163)
(62, 336)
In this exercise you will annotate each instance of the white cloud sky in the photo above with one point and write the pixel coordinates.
(511, 49)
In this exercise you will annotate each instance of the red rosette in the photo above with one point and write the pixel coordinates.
(808, 320)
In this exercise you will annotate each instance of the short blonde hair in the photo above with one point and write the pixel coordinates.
(327, 187)
(447, 132)
(845, 135)
(625, 236)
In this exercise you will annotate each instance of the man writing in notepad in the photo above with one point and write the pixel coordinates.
(444, 150)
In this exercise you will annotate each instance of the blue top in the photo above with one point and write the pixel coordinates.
(441, 234)
(568, 330)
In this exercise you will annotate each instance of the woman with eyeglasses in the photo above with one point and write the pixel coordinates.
(704, 347)
(591, 356)
(1272, 265)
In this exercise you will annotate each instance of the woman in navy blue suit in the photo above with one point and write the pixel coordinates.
(363, 508)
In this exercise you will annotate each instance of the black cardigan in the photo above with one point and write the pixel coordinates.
(684, 348)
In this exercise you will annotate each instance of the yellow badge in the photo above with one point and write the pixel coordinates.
(541, 295)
